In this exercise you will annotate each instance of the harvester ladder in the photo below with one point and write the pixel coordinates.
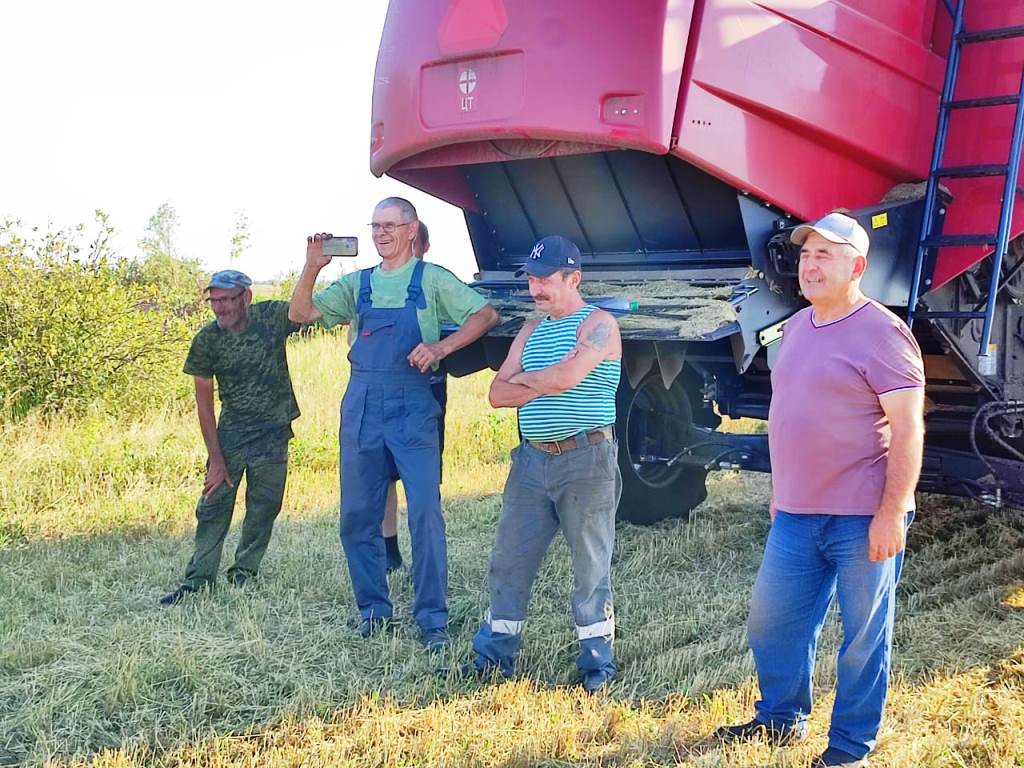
(931, 238)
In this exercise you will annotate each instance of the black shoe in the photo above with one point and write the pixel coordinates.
(369, 627)
(394, 555)
(836, 758)
(175, 597)
(237, 578)
(434, 639)
(755, 730)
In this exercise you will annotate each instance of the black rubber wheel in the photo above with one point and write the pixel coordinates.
(652, 422)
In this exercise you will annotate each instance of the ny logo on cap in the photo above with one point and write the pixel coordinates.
(538, 249)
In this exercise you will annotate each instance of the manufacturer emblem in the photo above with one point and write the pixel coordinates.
(467, 84)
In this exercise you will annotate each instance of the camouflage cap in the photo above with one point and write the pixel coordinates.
(229, 278)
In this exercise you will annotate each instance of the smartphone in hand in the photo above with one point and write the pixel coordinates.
(341, 246)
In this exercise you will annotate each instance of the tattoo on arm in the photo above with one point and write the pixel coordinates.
(597, 337)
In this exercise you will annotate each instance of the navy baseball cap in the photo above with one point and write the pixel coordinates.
(229, 278)
(549, 255)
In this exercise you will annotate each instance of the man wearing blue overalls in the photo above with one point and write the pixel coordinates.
(389, 418)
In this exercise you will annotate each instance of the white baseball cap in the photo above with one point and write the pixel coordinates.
(836, 228)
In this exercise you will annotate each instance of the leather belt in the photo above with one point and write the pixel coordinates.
(593, 437)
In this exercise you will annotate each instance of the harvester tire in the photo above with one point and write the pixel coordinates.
(653, 419)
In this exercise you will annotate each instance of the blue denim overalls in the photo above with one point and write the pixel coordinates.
(390, 421)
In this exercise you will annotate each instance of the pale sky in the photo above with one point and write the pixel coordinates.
(212, 106)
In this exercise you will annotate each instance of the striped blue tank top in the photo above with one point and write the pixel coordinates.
(588, 405)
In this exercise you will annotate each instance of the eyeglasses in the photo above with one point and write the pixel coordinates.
(388, 227)
(223, 299)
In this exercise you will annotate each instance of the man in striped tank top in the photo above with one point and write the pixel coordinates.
(561, 373)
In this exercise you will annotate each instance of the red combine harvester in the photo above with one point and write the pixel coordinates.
(677, 142)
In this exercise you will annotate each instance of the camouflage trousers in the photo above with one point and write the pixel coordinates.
(265, 466)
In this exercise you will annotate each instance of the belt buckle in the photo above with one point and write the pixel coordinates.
(558, 447)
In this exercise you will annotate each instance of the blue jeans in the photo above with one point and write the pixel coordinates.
(575, 492)
(808, 561)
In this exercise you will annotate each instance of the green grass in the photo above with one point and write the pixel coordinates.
(95, 524)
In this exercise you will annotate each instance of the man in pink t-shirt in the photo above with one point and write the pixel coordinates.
(846, 435)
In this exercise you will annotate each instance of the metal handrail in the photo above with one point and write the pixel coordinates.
(938, 148)
(986, 365)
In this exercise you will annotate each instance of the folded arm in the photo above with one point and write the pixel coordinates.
(598, 339)
(503, 393)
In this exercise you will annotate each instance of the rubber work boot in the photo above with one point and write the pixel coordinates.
(755, 730)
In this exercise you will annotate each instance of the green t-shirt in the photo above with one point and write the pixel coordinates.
(448, 299)
(251, 369)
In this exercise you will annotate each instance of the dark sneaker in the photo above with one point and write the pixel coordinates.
(175, 597)
(836, 758)
(595, 681)
(369, 627)
(237, 578)
(755, 730)
(434, 639)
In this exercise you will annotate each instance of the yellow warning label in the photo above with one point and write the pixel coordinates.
(880, 220)
(771, 334)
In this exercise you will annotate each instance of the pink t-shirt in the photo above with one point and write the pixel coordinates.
(827, 434)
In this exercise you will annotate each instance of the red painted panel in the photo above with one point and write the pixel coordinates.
(809, 104)
(564, 66)
(809, 107)
(472, 25)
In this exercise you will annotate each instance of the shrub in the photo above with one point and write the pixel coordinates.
(74, 334)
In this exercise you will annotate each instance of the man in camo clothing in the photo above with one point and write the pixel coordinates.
(244, 349)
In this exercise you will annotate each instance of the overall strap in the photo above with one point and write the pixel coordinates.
(415, 292)
(365, 300)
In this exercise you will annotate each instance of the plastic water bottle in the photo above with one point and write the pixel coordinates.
(616, 303)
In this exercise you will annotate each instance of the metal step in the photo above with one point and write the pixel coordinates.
(970, 171)
(946, 241)
(951, 315)
(999, 33)
(985, 101)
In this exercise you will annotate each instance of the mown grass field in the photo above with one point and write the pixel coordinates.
(95, 524)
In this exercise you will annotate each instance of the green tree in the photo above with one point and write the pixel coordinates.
(179, 281)
(239, 238)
